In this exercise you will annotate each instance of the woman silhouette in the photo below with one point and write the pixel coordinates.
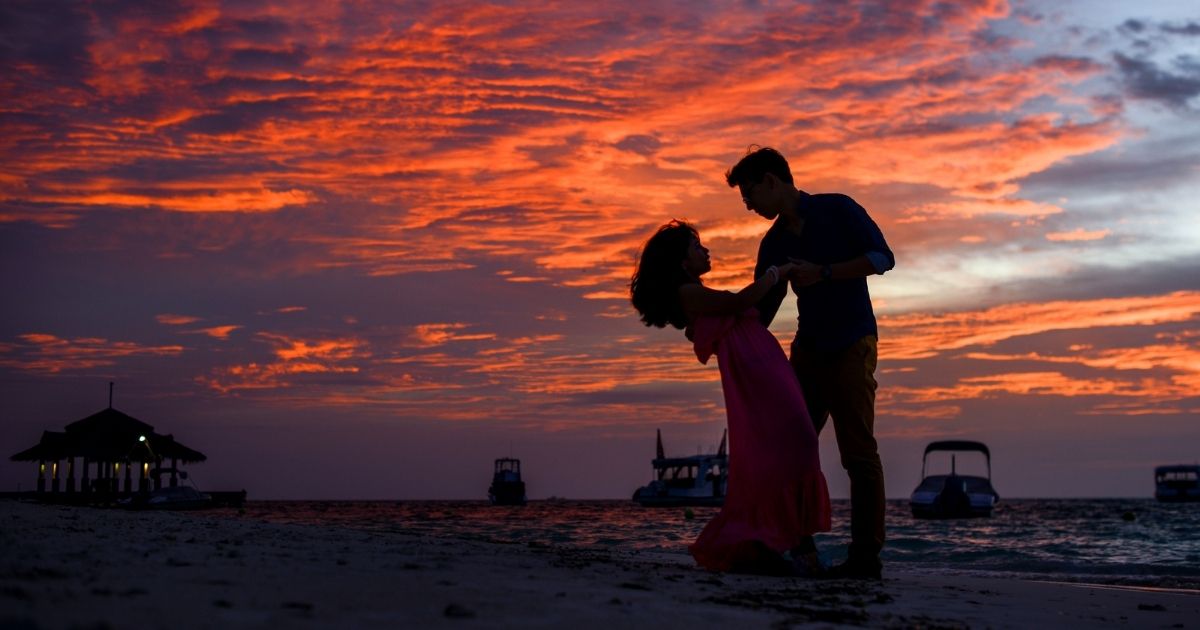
(777, 497)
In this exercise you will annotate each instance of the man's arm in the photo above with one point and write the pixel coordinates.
(769, 255)
(869, 238)
(808, 273)
(865, 235)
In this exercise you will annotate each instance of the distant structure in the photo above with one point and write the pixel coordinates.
(109, 445)
(699, 480)
(1177, 484)
(507, 487)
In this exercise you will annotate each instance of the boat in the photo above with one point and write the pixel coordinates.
(507, 487)
(174, 498)
(954, 495)
(699, 480)
(1177, 484)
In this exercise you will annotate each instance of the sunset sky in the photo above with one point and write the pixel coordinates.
(360, 249)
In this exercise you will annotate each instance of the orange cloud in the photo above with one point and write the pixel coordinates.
(1078, 234)
(571, 158)
(296, 358)
(291, 349)
(261, 200)
(175, 320)
(428, 335)
(921, 335)
(50, 354)
(216, 332)
(1142, 380)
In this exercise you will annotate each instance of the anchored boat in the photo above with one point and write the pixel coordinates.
(1177, 484)
(177, 498)
(507, 487)
(954, 495)
(699, 480)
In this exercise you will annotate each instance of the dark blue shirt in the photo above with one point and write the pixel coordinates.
(833, 313)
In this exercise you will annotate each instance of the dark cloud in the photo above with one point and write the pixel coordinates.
(1102, 281)
(1068, 64)
(1144, 79)
(247, 116)
(558, 154)
(150, 171)
(262, 60)
(1157, 165)
(1132, 26)
(47, 38)
(228, 86)
(1191, 29)
(260, 29)
(639, 144)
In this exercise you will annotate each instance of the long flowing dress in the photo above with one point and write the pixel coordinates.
(776, 495)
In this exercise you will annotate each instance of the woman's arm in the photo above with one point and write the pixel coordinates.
(698, 300)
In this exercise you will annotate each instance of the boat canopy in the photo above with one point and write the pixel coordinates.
(1183, 468)
(957, 445)
(508, 464)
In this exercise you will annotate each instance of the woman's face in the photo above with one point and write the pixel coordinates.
(697, 262)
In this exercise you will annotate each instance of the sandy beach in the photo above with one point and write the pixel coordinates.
(73, 567)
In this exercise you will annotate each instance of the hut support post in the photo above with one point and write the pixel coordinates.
(128, 480)
(54, 484)
(144, 477)
(158, 473)
(71, 474)
(174, 472)
(41, 482)
(85, 482)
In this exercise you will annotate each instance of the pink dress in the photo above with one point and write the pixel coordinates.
(776, 493)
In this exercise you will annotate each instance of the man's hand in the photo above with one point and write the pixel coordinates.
(804, 273)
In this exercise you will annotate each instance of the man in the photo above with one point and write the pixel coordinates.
(836, 245)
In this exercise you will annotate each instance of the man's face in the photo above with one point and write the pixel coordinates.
(757, 197)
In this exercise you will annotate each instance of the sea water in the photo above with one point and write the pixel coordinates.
(1106, 541)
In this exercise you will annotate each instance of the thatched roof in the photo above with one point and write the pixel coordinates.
(108, 435)
(51, 446)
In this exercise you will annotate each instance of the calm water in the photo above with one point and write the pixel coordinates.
(1072, 539)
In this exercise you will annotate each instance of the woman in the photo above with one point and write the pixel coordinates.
(776, 498)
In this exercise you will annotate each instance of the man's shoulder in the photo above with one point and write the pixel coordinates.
(831, 200)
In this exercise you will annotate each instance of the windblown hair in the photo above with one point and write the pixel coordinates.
(654, 289)
(756, 164)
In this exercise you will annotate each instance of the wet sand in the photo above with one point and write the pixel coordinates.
(73, 567)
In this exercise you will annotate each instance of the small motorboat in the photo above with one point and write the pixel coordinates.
(1177, 484)
(507, 487)
(698, 480)
(954, 495)
(176, 498)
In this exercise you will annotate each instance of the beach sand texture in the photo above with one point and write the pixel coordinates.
(73, 567)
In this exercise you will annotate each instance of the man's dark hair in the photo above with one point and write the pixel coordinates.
(759, 161)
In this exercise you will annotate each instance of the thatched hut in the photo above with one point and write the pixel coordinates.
(112, 444)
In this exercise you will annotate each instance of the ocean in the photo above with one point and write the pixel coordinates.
(1133, 542)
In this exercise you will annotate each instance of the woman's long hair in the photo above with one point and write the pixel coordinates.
(654, 289)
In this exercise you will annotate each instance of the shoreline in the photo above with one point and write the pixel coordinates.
(86, 567)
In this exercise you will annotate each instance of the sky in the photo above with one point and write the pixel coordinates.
(358, 250)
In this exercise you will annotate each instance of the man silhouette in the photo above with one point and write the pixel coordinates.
(836, 245)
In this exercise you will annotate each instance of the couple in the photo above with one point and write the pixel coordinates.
(824, 246)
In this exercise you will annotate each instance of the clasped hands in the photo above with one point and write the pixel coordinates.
(800, 272)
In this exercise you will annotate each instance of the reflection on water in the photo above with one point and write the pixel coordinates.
(1077, 539)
